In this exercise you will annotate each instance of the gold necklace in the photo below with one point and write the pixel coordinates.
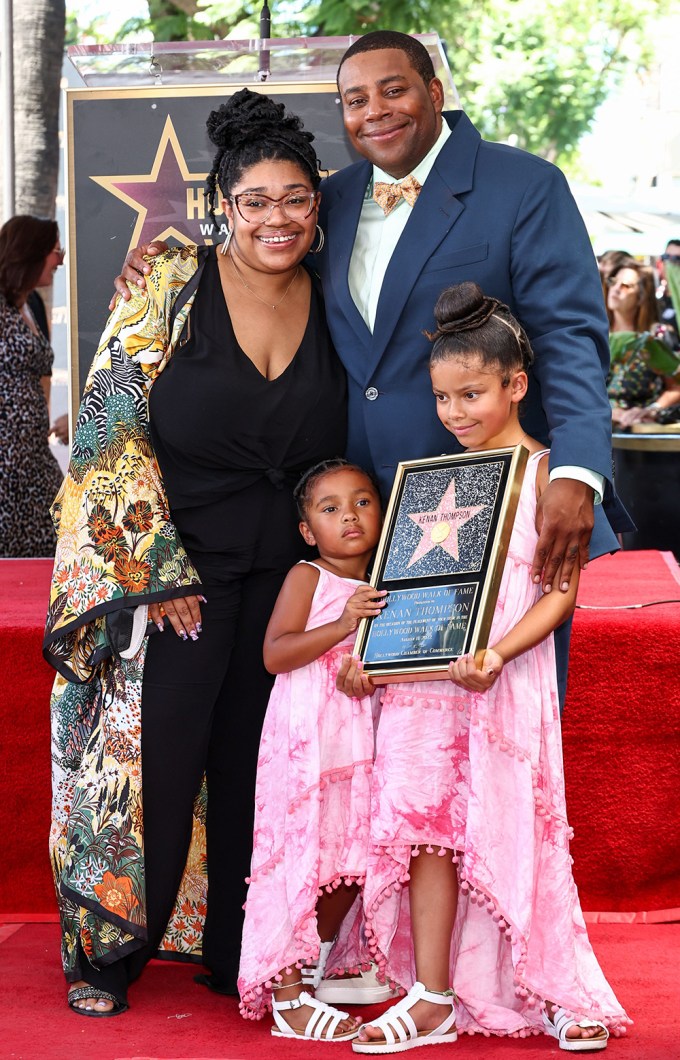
(254, 293)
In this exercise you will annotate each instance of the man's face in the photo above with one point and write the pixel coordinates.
(391, 116)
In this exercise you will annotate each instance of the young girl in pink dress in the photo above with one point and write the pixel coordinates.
(469, 880)
(314, 768)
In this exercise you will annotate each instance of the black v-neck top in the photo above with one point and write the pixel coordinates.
(218, 425)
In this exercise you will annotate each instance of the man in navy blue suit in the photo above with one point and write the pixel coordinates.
(484, 212)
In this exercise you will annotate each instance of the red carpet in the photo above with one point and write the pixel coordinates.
(171, 1017)
(621, 732)
(621, 729)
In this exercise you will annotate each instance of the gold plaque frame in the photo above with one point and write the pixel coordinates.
(440, 556)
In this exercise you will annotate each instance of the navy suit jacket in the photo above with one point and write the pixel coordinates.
(507, 220)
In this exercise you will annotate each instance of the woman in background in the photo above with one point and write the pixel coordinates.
(637, 386)
(30, 254)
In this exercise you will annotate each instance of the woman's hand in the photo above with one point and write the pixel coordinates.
(135, 269)
(465, 673)
(363, 603)
(183, 613)
(351, 678)
(637, 415)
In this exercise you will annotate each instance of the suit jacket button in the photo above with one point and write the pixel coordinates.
(371, 393)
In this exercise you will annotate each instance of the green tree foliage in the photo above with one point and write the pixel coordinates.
(531, 74)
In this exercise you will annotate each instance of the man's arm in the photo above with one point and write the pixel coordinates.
(136, 269)
(558, 297)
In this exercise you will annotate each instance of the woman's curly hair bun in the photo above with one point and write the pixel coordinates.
(249, 116)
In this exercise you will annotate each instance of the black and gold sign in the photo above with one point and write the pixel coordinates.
(441, 557)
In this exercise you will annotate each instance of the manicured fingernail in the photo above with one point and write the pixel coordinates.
(203, 599)
(547, 588)
(564, 586)
(183, 635)
(199, 627)
(193, 635)
(537, 578)
(161, 627)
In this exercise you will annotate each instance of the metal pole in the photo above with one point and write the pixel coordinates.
(7, 83)
(265, 34)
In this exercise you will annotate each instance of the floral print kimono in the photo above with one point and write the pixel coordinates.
(117, 551)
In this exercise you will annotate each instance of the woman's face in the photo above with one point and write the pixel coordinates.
(278, 242)
(54, 259)
(622, 293)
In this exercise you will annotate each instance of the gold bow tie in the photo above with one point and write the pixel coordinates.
(387, 196)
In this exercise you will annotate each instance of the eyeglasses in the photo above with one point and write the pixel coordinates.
(673, 258)
(613, 282)
(59, 252)
(257, 209)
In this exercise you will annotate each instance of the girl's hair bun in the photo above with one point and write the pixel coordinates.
(470, 322)
(462, 307)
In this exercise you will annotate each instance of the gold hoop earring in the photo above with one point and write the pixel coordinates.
(225, 246)
(322, 240)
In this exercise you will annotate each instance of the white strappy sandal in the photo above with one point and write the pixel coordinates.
(399, 1030)
(560, 1023)
(322, 1023)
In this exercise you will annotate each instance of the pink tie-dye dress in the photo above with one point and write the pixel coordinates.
(312, 805)
(478, 778)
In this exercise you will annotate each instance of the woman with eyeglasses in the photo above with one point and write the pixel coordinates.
(640, 386)
(30, 476)
(205, 402)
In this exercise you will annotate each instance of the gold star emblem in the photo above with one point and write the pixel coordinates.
(440, 527)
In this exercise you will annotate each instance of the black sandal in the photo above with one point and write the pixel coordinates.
(82, 993)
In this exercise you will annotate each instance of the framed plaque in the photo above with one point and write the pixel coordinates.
(440, 557)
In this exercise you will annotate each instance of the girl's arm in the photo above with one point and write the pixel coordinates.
(546, 615)
(287, 644)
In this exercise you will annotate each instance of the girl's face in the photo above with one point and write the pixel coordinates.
(474, 405)
(272, 240)
(343, 517)
(622, 293)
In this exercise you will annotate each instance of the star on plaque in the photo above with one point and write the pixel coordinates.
(441, 526)
(168, 200)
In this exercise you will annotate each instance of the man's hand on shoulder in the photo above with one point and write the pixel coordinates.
(564, 522)
(135, 269)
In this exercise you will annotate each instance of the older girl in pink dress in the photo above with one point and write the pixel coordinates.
(469, 880)
(314, 769)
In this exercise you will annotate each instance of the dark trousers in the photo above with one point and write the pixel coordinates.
(203, 704)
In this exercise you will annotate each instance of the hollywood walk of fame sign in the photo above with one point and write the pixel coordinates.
(137, 159)
(441, 557)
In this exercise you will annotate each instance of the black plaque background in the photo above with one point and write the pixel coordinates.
(115, 132)
(491, 568)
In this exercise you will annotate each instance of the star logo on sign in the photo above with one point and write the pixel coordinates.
(441, 526)
(160, 198)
